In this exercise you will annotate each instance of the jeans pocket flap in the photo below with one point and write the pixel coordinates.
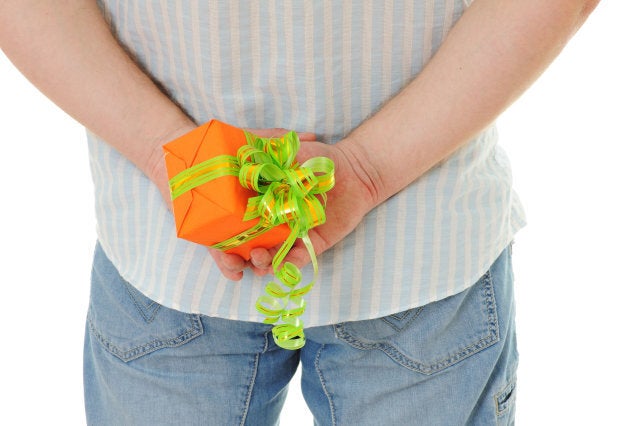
(130, 325)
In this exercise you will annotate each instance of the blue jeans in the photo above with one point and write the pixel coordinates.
(451, 362)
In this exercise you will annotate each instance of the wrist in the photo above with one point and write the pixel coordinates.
(154, 165)
(365, 178)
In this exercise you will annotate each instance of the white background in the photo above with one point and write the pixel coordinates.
(574, 143)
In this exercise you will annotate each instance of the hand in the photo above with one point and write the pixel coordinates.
(233, 265)
(347, 203)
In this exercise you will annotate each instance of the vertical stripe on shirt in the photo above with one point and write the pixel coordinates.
(235, 26)
(182, 274)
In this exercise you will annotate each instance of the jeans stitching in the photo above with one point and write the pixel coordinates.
(256, 364)
(419, 367)
(250, 391)
(156, 307)
(490, 302)
(502, 406)
(324, 385)
(416, 313)
(148, 318)
(138, 351)
(401, 315)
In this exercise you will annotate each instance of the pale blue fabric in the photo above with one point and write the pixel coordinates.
(451, 362)
(317, 66)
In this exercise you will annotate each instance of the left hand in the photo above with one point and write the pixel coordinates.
(233, 265)
(347, 203)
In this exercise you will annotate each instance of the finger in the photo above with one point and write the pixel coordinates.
(260, 271)
(233, 276)
(261, 258)
(231, 265)
(233, 262)
(307, 137)
(298, 255)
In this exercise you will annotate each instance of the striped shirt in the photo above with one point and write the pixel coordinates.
(323, 67)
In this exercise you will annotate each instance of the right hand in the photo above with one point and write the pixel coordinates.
(231, 265)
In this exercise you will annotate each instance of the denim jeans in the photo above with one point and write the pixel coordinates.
(451, 362)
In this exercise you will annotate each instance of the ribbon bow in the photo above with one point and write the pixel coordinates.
(287, 194)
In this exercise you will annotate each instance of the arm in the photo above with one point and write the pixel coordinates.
(492, 55)
(67, 50)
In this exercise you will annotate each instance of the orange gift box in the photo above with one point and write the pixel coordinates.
(213, 212)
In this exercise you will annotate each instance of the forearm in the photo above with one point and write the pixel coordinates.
(66, 49)
(492, 55)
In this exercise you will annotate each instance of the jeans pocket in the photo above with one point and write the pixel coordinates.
(435, 336)
(505, 402)
(127, 323)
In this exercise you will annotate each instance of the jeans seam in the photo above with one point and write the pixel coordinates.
(250, 391)
(324, 385)
(492, 308)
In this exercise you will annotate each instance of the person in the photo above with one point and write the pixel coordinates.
(411, 320)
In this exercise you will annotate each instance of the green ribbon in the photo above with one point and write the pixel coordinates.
(288, 193)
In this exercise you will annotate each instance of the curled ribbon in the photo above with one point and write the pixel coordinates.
(287, 194)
